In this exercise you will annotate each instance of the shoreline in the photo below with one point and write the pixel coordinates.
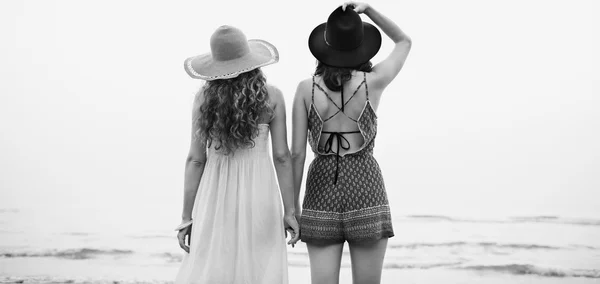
(44, 270)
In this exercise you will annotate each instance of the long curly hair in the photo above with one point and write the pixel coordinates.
(232, 109)
(336, 77)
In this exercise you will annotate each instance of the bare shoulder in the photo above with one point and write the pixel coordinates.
(375, 82)
(273, 90)
(303, 89)
(305, 85)
(199, 98)
(275, 95)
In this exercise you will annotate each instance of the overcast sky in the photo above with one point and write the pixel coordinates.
(496, 111)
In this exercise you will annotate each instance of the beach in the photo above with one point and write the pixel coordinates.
(54, 272)
(45, 248)
(487, 139)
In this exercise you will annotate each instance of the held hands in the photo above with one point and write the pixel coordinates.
(358, 7)
(181, 236)
(291, 225)
(289, 221)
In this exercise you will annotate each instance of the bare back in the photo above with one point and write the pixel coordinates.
(341, 117)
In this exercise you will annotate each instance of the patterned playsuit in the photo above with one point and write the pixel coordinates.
(345, 198)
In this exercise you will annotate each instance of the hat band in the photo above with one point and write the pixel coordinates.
(338, 48)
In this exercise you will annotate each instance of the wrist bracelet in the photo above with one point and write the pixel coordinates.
(184, 225)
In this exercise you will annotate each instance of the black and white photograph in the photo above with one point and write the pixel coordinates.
(311, 142)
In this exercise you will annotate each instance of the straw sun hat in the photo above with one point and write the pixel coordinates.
(231, 54)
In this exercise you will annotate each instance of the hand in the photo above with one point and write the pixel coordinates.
(291, 225)
(181, 236)
(359, 7)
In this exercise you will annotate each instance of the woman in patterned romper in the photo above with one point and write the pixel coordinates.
(345, 198)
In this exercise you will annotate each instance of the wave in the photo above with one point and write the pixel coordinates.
(151, 237)
(432, 217)
(528, 269)
(77, 234)
(72, 280)
(301, 260)
(442, 218)
(9, 210)
(516, 269)
(420, 265)
(585, 247)
(556, 220)
(509, 220)
(84, 253)
(171, 257)
(475, 244)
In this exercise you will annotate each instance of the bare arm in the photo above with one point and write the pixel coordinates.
(194, 167)
(283, 162)
(385, 71)
(194, 164)
(299, 133)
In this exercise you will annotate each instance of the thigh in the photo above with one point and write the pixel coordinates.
(367, 261)
(325, 263)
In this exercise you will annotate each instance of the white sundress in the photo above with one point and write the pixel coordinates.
(237, 235)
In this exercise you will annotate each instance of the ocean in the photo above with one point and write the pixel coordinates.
(95, 133)
(62, 246)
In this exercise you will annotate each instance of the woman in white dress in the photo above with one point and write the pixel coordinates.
(233, 226)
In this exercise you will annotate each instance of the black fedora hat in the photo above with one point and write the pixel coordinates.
(344, 40)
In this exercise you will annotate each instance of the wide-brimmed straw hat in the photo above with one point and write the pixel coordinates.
(231, 54)
(344, 40)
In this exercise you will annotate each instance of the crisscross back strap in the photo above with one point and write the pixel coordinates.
(313, 90)
(366, 86)
(342, 141)
(344, 103)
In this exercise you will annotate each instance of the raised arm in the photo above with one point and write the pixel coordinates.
(385, 71)
(299, 133)
(283, 162)
(194, 167)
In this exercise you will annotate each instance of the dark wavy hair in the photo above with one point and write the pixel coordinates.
(232, 109)
(336, 77)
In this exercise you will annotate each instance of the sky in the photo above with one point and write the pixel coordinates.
(495, 112)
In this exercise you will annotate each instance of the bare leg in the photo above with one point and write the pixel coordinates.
(367, 261)
(325, 261)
